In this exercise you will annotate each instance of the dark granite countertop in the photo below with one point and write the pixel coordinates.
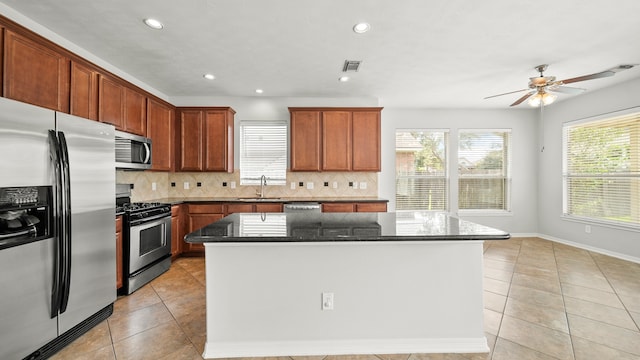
(176, 201)
(318, 227)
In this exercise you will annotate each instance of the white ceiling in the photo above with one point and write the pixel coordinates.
(429, 54)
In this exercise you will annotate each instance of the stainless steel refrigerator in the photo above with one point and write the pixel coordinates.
(58, 280)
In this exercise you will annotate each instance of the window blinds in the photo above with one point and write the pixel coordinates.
(421, 170)
(601, 170)
(484, 170)
(263, 151)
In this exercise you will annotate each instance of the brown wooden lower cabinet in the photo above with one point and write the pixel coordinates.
(378, 206)
(119, 253)
(177, 230)
(371, 207)
(197, 216)
(268, 207)
(338, 207)
(200, 215)
(233, 208)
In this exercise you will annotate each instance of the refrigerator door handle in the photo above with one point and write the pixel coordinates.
(54, 154)
(66, 229)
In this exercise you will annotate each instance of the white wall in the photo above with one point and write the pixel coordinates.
(622, 243)
(523, 124)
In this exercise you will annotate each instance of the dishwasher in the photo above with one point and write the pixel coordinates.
(303, 207)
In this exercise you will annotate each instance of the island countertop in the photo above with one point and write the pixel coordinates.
(318, 227)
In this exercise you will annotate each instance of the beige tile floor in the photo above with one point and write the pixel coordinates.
(543, 300)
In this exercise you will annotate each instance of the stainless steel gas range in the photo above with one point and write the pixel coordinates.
(146, 239)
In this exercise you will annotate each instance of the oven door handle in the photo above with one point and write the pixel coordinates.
(145, 221)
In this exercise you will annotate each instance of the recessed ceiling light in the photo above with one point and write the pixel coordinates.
(153, 23)
(208, 76)
(259, 91)
(343, 78)
(361, 28)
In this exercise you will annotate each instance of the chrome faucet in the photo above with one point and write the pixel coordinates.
(263, 183)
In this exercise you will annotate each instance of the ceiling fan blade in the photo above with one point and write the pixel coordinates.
(523, 98)
(599, 75)
(566, 89)
(510, 92)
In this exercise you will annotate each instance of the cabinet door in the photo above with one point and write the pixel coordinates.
(206, 208)
(35, 73)
(197, 221)
(371, 207)
(135, 112)
(119, 252)
(366, 141)
(338, 207)
(177, 230)
(336, 140)
(84, 91)
(305, 141)
(111, 102)
(191, 127)
(218, 139)
(160, 130)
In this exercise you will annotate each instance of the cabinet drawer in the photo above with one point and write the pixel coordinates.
(239, 208)
(337, 207)
(371, 207)
(269, 208)
(206, 209)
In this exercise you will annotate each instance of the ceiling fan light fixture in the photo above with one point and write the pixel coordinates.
(153, 23)
(361, 28)
(542, 98)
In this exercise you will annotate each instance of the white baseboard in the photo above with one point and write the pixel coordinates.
(344, 347)
(582, 246)
(592, 248)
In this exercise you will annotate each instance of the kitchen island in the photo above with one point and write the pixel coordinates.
(343, 283)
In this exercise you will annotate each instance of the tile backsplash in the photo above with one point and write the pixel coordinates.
(149, 185)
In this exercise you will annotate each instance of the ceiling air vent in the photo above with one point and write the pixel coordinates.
(351, 65)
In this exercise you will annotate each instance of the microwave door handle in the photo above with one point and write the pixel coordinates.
(147, 153)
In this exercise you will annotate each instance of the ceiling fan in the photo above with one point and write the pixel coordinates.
(539, 87)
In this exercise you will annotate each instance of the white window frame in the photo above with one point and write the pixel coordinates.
(252, 176)
(566, 176)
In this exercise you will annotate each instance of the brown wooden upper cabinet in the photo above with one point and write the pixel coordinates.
(305, 140)
(111, 102)
(35, 72)
(135, 112)
(84, 91)
(206, 139)
(160, 128)
(121, 106)
(335, 139)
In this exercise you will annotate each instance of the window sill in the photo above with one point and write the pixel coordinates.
(607, 224)
(484, 213)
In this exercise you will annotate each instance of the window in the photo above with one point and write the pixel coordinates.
(421, 170)
(601, 169)
(484, 177)
(263, 151)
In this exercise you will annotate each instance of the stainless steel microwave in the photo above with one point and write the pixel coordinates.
(132, 151)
